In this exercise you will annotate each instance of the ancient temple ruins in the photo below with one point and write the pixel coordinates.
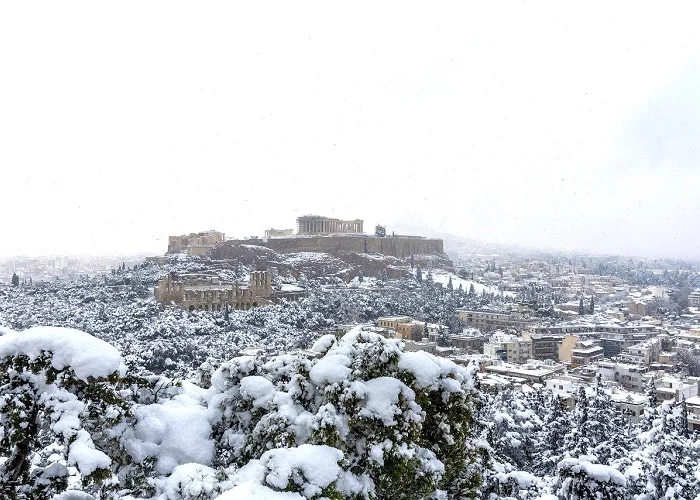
(317, 224)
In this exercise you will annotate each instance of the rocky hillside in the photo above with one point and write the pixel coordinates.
(344, 265)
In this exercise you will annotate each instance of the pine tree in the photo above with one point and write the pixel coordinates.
(557, 422)
(15, 279)
(683, 420)
(591, 306)
(581, 309)
(669, 460)
(577, 440)
(650, 411)
(581, 480)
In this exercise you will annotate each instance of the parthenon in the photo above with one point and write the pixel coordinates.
(316, 224)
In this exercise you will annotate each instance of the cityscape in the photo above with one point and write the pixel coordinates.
(293, 251)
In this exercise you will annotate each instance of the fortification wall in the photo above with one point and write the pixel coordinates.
(396, 246)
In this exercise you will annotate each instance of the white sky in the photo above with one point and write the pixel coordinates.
(571, 126)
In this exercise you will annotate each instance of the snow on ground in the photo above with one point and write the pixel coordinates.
(308, 257)
(443, 278)
(368, 282)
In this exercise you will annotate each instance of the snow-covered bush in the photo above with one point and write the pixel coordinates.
(312, 471)
(583, 480)
(58, 402)
(401, 420)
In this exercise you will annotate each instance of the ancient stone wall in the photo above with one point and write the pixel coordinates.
(396, 246)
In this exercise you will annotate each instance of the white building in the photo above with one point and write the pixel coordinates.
(694, 299)
(627, 375)
(509, 348)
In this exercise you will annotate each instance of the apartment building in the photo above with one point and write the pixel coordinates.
(645, 353)
(586, 352)
(488, 320)
(544, 345)
(509, 348)
(674, 389)
(629, 376)
(693, 406)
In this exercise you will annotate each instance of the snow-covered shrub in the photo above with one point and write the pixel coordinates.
(191, 481)
(518, 484)
(313, 471)
(583, 480)
(403, 420)
(58, 402)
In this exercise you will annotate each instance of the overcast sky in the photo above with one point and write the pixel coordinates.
(570, 126)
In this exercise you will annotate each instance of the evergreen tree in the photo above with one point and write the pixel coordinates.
(650, 411)
(54, 414)
(581, 309)
(591, 306)
(557, 423)
(15, 279)
(683, 420)
(380, 231)
(577, 440)
(582, 480)
(669, 460)
(419, 274)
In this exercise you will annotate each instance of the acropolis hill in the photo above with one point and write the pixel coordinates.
(313, 234)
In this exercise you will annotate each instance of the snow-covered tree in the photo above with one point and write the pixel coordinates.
(58, 402)
(582, 480)
(402, 420)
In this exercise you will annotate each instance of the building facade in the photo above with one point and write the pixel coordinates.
(317, 224)
(207, 293)
(195, 243)
(278, 233)
(489, 319)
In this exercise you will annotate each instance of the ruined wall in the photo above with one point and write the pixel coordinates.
(396, 246)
